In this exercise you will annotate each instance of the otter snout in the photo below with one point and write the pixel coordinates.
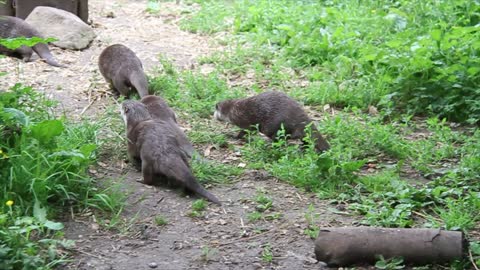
(123, 114)
(220, 117)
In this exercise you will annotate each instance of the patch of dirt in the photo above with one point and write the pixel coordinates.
(233, 242)
(223, 238)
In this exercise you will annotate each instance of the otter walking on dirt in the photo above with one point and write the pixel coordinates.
(269, 110)
(159, 110)
(121, 67)
(152, 144)
(12, 27)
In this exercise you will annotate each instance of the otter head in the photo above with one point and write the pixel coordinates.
(133, 111)
(223, 109)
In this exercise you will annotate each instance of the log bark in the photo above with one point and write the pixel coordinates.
(360, 245)
(6, 8)
(78, 7)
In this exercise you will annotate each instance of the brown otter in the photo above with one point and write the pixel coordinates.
(12, 27)
(159, 110)
(153, 146)
(269, 110)
(121, 67)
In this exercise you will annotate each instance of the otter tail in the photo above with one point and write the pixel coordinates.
(139, 81)
(175, 168)
(320, 143)
(42, 50)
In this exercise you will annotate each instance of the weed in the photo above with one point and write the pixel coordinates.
(267, 254)
(153, 7)
(263, 202)
(311, 217)
(207, 171)
(161, 221)
(254, 216)
(389, 264)
(208, 253)
(198, 206)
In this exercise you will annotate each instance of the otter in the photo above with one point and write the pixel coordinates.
(269, 110)
(153, 147)
(121, 67)
(159, 110)
(12, 27)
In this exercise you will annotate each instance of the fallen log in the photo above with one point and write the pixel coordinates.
(360, 245)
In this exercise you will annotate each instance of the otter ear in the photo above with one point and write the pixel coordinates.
(127, 110)
(216, 106)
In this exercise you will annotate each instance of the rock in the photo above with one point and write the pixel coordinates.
(152, 265)
(71, 31)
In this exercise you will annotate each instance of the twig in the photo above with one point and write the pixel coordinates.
(88, 106)
(425, 216)
(89, 254)
(246, 238)
(472, 260)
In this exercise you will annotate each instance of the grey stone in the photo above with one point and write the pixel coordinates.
(71, 31)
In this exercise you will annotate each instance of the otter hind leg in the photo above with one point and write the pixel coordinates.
(148, 173)
(120, 85)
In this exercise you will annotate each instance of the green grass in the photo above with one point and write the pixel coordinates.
(160, 221)
(44, 163)
(420, 58)
(416, 63)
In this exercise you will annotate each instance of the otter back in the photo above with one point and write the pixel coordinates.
(121, 67)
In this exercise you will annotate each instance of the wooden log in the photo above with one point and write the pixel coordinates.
(360, 245)
(6, 8)
(78, 7)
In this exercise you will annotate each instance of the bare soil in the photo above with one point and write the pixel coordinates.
(222, 238)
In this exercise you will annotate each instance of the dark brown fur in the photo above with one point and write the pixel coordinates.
(159, 110)
(121, 67)
(153, 145)
(11, 27)
(269, 110)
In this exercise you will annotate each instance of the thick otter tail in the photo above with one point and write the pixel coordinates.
(320, 143)
(43, 51)
(175, 168)
(139, 81)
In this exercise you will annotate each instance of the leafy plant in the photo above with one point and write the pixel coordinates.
(161, 221)
(267, 254)
(389, 264)
(198, 206)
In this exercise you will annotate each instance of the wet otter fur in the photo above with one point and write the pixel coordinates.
(269, 110)
(121, 67)
(152, 144)
(12, 27)
(159, 110)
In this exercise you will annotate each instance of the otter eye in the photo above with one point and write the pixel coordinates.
(126, 110)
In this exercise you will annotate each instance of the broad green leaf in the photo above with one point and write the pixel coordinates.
(88, 149)
(14, 43)
(436, 34)
(39, 212)
(18, 115)
(47, 130)
(56, 226)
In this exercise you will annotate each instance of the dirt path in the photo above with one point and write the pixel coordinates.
(223, 238)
